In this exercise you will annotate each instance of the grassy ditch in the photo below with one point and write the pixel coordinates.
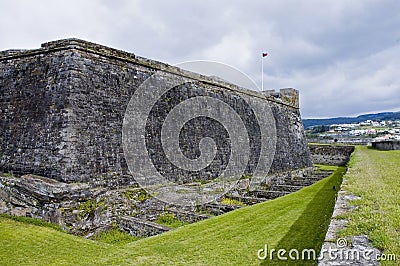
(298, 220)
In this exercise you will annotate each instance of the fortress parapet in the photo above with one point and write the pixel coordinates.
(288, 96)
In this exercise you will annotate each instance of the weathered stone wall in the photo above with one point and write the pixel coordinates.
(62, 109)
(330, 154)
(292, 151)
(33, 109)
(386, 145)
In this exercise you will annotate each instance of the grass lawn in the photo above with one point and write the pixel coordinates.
(298, 220)
(28, 244)
(375, 177)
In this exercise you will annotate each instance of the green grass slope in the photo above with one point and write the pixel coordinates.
(28, 244)
(298, 220)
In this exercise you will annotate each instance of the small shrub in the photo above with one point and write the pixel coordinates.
(245, 177)
(9, 175)
(201, 181)
(89, 207)
(230, 201)
(170, 220)
(115, 236)
(137, 194)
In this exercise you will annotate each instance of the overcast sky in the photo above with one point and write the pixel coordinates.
(343, 56)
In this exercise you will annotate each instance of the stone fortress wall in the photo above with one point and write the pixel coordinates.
(386, 145)
(62, 109)
(331, 154)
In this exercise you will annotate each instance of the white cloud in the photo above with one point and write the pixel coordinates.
(234, 48)
(342, 55)
(353, 86)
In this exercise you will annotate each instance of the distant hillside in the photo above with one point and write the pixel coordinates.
(348, 120)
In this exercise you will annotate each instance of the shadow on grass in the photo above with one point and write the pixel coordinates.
(308, 232)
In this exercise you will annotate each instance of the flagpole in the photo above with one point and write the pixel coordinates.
(262, 69)
(262, 73)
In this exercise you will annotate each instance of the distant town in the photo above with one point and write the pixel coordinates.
(358, 133)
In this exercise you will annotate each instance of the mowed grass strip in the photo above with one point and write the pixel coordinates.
(298, 220)
(375, 176)
(29, 244)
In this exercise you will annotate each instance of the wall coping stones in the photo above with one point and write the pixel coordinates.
(286, 96)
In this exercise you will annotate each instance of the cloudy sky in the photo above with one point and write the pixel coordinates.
(343, 56)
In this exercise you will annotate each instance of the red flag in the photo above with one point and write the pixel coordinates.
(264, 54)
